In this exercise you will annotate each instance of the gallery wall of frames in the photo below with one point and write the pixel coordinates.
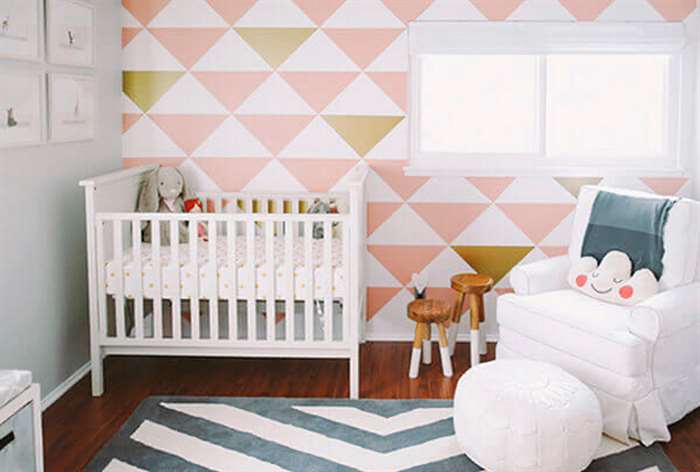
(47, 61)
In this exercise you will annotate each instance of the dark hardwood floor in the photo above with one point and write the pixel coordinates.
(78, 425)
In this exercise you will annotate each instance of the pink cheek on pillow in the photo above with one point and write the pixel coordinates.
(626, 292)
(581, 280)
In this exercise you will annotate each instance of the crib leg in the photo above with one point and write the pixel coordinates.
(355, 372)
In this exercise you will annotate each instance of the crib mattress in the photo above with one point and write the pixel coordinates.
(206, 275)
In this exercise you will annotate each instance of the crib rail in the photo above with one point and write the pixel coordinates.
(297, 305)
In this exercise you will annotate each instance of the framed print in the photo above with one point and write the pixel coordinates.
(20, 29)
(71, 32)
(21, 108)
(71, 108)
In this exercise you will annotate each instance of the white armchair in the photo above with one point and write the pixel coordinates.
(643, 361)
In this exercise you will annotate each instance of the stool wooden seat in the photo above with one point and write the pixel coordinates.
(424, 312)
(474, 286)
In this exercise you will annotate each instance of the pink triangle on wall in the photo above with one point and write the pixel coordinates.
(492, 187)
(144, 10)
(128, 120)
(536, 220)
(363, 45)
(674, 10)
(231, 175)
(318, 175)
(377, 297)
(231, 88)
(275, 131)
(231, 11)
(665, 185)
(378, 213)
(394, 84)
(188, 45)
(497, 9)
(188, 131)
(407, 10)
(318, 89)
(391, 172)
(319, 10)
(128, 34)
(449, 219)
(403, 261)
(586, 10)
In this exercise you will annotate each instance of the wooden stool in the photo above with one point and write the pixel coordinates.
(475, 286)
(424, 312)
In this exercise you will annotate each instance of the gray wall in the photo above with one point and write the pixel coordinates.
(43, 289)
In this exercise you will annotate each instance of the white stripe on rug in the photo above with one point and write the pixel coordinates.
(115, 465)
(317, 444)
(197, 451)
(366, 421)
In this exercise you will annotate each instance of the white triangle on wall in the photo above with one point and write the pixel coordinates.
(444, 266)
(380, 191)
(318, 140)
(394, 145)
(274, 97)
(378, 275)
(188, 96)
(146, 139)
(231, 139)
(231, 53)
(318, 53)
(188, 14)
(362, 97)
(128, 20)
(535, 190)
(561, 235)
(274, 178)
(145, 52)
(363, 14)
(630, 10)
(196, 178)
(394, 58)
(275, 14)
(391, 318)
(405, 227)
(448, 190)
(492, 228)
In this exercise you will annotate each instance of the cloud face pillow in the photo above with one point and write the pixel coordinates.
(612, 281)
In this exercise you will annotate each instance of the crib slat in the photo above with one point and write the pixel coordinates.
(271, 274)
(289, 312)
(328, 280)
(214, 297)
(157, 275)
(117, 239)
(233, 281)
(194, 265)
(101, 284)
(279, 208)
(138, 275)
(345, 330)
(176, 306)
(309, 288)
(251, 282)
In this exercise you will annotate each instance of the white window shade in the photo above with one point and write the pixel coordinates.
(540, 37)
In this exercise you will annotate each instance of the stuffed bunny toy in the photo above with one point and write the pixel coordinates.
(164, 191)
(612, 280)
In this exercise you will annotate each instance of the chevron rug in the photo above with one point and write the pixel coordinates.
(270, 434)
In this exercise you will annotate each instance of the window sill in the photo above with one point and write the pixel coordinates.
(418, 171)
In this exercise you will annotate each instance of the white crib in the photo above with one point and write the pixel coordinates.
(260, 286)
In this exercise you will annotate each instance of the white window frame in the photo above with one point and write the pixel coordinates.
(541, 39)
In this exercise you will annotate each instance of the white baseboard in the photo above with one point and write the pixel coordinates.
(64, 386)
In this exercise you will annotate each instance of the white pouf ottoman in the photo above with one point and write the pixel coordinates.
(526, 416)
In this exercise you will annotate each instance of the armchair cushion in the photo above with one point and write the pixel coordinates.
(570, 321)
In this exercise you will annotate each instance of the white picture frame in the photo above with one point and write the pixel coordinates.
(21, 29)
(71, 33)
(22, 108)
(72, 110)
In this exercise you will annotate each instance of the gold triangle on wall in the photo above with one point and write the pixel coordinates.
(494, 261)
(275, 45)
(145, 88)
(362, 132)
(573, 184)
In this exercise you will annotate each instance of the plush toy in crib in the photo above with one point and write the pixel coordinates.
(164, 191)
(612, 280)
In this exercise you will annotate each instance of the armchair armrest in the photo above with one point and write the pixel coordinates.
(666, 312)
(543, 276)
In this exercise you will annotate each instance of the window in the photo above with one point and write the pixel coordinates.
(570, 98)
